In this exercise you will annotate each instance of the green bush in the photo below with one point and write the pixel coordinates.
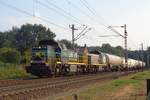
(12, 71)
(27, 56)
(9, 55)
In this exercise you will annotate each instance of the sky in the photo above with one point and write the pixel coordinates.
(134, 13)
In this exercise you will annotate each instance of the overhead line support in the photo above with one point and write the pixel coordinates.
(72, 27)
(125, 40)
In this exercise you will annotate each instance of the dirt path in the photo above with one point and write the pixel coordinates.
(122, 93)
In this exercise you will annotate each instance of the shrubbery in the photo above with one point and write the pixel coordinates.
(26, 57)
(9, 55)
(12, 71)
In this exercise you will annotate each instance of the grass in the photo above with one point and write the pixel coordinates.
(100, 91)
(12, 71)
(142, 75)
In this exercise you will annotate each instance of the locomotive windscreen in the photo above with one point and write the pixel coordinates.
(39, 53)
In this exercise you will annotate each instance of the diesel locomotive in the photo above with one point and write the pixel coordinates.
(50, 58)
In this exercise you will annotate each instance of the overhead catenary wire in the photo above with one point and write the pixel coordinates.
(85, 4)
(87, 7)
(30, 14)
(75, 6)
(84, 13)
(108, 36)
(94, 10)
(69, 7)
(112, 29)
(35, 7)
(27, 13)
(81, 33)
(62, 10)
(87, 15)
(75, 18)
(58, 12)
(68, 15)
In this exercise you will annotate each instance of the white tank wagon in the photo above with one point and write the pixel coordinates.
(132, 63)
(114, 60)
(114, 63)
(142, 63)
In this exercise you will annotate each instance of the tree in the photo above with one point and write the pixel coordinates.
(29, 35)
(119, 51)
(119, 48)
(26, 58)
(2, 38)
(9, 55)
(107, 48)
(25, 37)
(68, 43)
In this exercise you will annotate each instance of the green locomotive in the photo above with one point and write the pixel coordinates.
(51, 57)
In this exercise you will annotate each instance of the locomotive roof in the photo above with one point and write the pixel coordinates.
(49, 42)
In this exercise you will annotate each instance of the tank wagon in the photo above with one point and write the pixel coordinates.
(52, 58)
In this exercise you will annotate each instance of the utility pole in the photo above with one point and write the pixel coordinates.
(142, 55)
(125, 40)
(82, 33)
(147, 57)
(125, 44)
(72, 27)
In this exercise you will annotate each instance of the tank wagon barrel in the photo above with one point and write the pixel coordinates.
(114, 60)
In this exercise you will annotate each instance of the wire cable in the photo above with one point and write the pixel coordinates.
(63, 11)
(29, 14)
(87, 15)
(85, 3)
(93, 10)
(60, 13)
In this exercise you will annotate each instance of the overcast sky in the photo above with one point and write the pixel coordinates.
(134, 13)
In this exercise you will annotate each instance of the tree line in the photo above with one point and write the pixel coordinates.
(16, 44)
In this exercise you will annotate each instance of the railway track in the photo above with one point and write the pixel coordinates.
(12, 82)
(51, 87)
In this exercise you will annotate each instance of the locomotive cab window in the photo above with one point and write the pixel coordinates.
(39, 54)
